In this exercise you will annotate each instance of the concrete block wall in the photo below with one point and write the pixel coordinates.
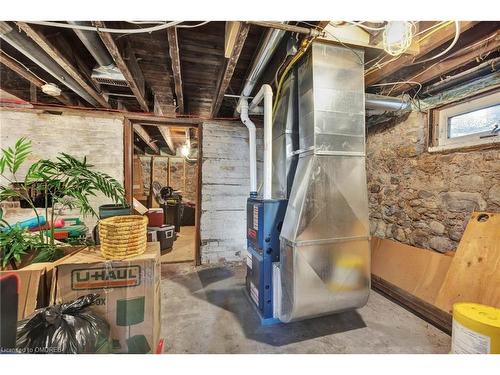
(225, 189)
(99, 139)
(421, 198)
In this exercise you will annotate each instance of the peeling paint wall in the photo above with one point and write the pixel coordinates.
(225, 189)
(99, 139)
(421, 198)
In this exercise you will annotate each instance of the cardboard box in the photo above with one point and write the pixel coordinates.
(30, 292)
(129, 294)
(35, 284)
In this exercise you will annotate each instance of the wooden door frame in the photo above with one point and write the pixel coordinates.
(128, 153)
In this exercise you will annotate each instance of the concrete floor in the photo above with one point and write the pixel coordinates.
(205, 310)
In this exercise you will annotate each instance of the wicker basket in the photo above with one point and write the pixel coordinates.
(123, 236)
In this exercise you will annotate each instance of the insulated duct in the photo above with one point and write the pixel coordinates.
(324, 242)
(27, 47)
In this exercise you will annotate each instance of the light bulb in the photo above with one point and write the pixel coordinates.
(185, 150)
(397, 37)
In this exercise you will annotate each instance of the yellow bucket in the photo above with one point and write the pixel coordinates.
(476, 329)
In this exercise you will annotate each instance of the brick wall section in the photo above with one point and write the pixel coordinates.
(421, 198)
(99, 139)
(225, 189)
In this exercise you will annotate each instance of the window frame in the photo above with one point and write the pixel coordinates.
(442, 115)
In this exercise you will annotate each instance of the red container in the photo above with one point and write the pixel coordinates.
(155, 217)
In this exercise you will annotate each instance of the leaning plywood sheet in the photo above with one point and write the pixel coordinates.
(474, 274)
(417, 271)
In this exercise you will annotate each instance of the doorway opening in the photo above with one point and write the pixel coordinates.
(165, 186)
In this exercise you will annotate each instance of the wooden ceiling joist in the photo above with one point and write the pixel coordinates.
(173, 43)
(425, 46)
(167, 136)
(21, 71)
(143, 134)
(462, 57)
(127, 64)
(50, 50)
(230, 66)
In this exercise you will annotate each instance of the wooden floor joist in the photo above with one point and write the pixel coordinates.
(465, 55)
(30, 77)
(50, 50)
(173, 44)
(229, 67)
(130, 71)
(426, 45)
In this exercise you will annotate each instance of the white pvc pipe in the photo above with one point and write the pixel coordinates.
(266, 93)
(252, 146)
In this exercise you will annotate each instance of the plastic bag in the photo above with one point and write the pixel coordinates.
(68, 328)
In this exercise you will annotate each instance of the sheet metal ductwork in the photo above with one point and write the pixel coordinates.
(285, 139)
(106, 72)
(324, 242)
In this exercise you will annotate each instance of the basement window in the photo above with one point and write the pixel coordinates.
(470, 123)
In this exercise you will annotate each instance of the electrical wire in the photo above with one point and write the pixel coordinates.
(439, 26)
(192, 26)
(117, 31)
(24, 66)
(361, 24)
(303, 48)
(452, 44)
(146, 22)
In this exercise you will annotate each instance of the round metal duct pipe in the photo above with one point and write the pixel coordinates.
(385, 103)
(94, 44)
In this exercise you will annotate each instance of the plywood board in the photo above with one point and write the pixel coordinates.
(417, 271)
(474, 274)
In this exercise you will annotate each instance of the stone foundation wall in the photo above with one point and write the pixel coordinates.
(426, 199)
(161, 172)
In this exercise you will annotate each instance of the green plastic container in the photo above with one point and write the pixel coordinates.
(109, 210)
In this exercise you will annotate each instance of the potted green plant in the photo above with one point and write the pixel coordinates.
(65, 181)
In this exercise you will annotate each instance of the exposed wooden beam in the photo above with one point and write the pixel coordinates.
(33, 94)
(130, 71)
(164, 130)
(231, 34)
(30, 77)
(143, 134)
(425, 46)
(4, 94)
(50, 50)
(464, 56)
(173, 48)
(167, 136)
(229, 68)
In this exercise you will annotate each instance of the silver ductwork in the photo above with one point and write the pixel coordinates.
(325, 252)
(27, 47)
(285, 139)
(106, 72)
(385, 103)
(268, 47)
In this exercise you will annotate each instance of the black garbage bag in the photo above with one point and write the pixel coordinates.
(68, 328)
